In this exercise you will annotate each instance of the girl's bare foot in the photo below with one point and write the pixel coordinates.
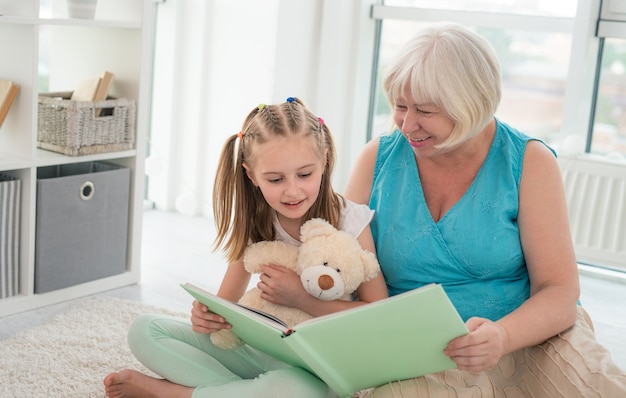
(132, 384)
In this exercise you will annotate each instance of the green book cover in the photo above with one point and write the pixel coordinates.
(393, 339)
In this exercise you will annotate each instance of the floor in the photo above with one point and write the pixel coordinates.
(177, 249)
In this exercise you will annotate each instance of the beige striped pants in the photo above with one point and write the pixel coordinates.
(568, 365)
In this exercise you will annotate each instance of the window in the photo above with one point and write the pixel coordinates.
(549, 55)
(608, 133)
(558, 8)
(534, 74)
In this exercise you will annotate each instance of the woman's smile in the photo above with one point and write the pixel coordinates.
(419, 142)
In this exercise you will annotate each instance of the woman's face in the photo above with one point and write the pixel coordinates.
(288, 171)
(424, 125)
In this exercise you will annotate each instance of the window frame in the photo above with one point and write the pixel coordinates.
(611, 24)
(585, 29)
(594, 22)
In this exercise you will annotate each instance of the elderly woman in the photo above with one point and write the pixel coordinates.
(465, 200)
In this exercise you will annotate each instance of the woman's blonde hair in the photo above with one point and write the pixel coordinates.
(242, 215)
(452, 68)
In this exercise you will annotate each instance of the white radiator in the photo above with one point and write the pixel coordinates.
(596, 198)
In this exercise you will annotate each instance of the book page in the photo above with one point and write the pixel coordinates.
(217, 304)
(255, 329)
(270, 317)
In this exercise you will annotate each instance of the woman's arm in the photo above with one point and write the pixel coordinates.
(549, 254)
(548, 250)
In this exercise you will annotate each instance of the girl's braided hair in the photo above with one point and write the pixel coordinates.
(242, 215)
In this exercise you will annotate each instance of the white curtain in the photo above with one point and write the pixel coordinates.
(216, 60)
(213, 63)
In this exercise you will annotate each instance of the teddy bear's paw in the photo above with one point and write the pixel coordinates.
(226, 339)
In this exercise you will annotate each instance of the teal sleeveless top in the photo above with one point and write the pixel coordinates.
(474, 251)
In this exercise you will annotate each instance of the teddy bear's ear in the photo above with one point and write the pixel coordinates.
(371, 267)
(316, 227)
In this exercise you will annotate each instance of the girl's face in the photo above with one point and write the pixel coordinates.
(424, 125)
(288, 171)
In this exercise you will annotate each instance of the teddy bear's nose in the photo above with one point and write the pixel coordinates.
(325, 282)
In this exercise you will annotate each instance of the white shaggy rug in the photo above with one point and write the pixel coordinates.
(70, 355)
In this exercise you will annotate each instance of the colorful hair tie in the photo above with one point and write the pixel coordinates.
(321, 120)
(261, 106)
(240, 135)
(290, 99)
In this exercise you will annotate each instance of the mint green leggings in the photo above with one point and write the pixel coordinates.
(170, 348)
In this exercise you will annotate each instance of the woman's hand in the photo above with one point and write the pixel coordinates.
(204, 321)
(480, 349)
(282, 286)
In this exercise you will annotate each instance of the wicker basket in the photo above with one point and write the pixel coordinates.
(77, 128)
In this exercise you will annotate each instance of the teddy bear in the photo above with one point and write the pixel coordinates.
(330, 262)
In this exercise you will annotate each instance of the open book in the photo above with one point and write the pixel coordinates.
(393, 339)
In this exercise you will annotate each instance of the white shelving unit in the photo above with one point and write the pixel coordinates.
(40, 43)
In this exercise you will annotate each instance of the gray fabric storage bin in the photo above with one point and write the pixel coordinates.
(82, 223)
(10, 201)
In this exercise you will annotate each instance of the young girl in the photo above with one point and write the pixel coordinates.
(272, 177)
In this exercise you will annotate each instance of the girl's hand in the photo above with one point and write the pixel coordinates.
(480, 349)
(280, 285)
(204, 321)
